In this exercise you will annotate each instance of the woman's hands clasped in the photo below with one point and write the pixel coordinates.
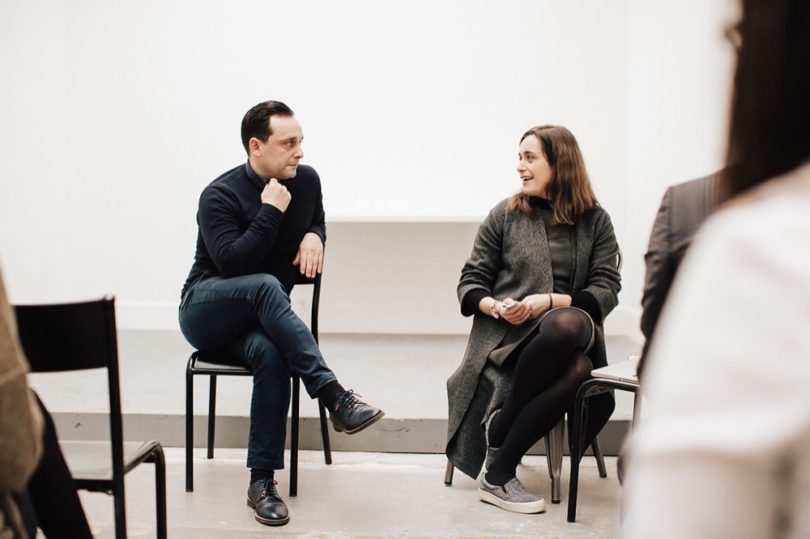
(518, 312)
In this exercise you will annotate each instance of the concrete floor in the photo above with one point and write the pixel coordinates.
(360, 495)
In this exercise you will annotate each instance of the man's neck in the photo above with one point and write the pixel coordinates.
(259, 172)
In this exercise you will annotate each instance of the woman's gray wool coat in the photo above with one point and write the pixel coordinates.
(511, 258)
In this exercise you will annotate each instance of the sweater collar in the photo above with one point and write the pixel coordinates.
(540, 203)
(254, 178)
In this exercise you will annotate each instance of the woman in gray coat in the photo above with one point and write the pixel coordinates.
(540, 281)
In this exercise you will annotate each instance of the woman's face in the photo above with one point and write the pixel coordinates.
(533, 168)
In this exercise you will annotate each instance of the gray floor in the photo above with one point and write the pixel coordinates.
(359, 495)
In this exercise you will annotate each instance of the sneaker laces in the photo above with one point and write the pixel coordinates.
(348, 399)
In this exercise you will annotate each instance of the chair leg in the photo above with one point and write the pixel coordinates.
(636, 408)
(212, 414)
(327, 445)
(600, 459)
(189, 431)
(554, 441)
(120, 510)
(294, 438)
(160, 490)
(576, 451)
(448, 473)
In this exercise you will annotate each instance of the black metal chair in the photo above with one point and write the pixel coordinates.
(214, 364)
(75, 336)
(617, 376)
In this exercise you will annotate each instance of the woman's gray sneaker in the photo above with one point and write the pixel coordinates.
(513, 496)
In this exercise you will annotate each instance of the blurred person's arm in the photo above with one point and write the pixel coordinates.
(724, 443)
(659, 268)
(20, 422)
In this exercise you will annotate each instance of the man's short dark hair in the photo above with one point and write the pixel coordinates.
(256, 122)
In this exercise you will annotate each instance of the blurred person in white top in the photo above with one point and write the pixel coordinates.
(724, 450)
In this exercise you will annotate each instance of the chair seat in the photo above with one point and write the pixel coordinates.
(92, 461)
(624, 371)
(218, 363)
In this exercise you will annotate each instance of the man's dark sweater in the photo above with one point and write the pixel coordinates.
(239, 235)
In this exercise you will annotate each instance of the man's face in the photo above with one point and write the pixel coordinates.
(279, 155)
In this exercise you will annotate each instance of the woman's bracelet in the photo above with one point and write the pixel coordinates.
(550, 302)
(493, 310)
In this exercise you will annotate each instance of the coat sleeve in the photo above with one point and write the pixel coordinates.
(481, 269)
(659, 268)
(20, 421)
(604, 279)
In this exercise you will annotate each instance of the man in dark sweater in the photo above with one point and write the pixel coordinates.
(259, 224)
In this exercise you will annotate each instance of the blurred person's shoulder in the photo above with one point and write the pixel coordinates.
(771, 221)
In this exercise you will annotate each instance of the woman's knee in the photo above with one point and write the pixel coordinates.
(565, 327)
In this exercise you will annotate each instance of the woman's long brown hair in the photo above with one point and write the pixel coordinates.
(570, 190)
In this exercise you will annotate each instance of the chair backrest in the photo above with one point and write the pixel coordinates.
(68, 336)
(316, 299)
(74, 336)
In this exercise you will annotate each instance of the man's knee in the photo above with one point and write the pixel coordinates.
(264, 358)
(265, 281)
(270, 287)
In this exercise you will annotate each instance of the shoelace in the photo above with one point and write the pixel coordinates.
(272, 487)
(347, 399)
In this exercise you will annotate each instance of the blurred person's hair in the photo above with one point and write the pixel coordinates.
(570, 189)
(770, 111)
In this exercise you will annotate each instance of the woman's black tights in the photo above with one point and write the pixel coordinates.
(548, 371)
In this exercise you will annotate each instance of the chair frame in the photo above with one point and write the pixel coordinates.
(588, 389)
(230, 369)
(56, 322)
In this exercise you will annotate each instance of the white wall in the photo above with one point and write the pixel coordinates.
(116, 114)
(679, 75)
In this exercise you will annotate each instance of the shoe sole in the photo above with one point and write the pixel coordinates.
(267, 521)
(361, 427)
(526, 508)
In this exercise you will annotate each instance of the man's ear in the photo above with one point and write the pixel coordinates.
(255, 146)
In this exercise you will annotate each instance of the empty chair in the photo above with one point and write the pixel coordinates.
(75, 336)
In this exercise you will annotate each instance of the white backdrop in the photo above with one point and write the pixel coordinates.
(115, 114)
